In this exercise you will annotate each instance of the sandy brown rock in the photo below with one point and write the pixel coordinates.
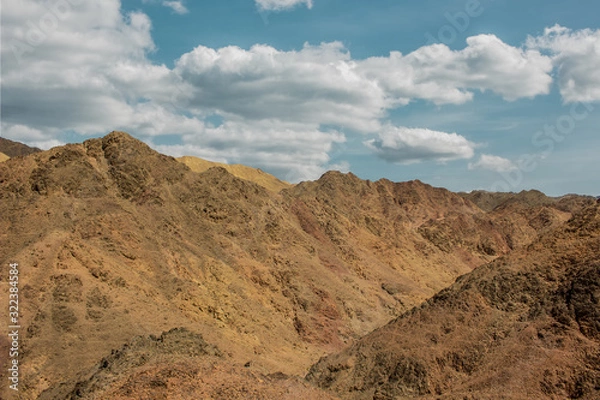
(524, 326)
(179, 364)
(255, 175)
(521, 217)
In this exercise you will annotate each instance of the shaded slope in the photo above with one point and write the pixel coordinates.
(526, 199)
(524, 326)
(485, 200)
(15, 149)
(255, 175)
(489, 201)
(521, 217)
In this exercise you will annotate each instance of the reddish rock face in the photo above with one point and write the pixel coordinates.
(537, 308)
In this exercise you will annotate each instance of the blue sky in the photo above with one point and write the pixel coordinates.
(464, 94)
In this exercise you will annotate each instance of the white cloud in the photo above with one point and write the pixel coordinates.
(576, 55)
(323, 84)
(280, 5)
(316, 85)
(176, 6)
(293, 151)
(409, 145)
(33, 137)
(444, 76)
(493, 163)
(94, 78)
(86, 71)
(70, 79)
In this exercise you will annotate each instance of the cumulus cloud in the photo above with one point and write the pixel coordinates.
(324, 84)
(576, 55)
(317, 84)
(66, 80)
(493, 163)
(281, 5)
(33, 137)
(409, 145)
(176, 6)
(90, 75)
(444, 76)
(292, 151)
(84, 69)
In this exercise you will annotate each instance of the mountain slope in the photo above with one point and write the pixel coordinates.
(15, 149)
(521, 217)
(524, 326)
(172, 366)
(3, 157)
(117, 241)
(255, 175)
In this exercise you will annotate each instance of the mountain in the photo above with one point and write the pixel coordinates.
(180, 364)
(3, 157)
(524, 326)
(255, 175)
(522, 216)
(491, 201)
(119, 245)
(15, 149)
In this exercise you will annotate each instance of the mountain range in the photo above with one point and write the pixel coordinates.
(146, 276)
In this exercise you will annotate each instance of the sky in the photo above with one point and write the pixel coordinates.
(497, 95)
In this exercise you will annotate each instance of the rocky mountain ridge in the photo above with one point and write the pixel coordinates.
(11, 148)
(117, 241)
(524, 326)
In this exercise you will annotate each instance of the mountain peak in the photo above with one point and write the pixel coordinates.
(117, 144)
(334, 174)
(97, 167)
(120, 135)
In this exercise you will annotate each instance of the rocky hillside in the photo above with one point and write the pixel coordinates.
(524, 326)
(179, 364)
(116, 241)
(14, 149)
(521, 217)
(3, 157)
(528, 199)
